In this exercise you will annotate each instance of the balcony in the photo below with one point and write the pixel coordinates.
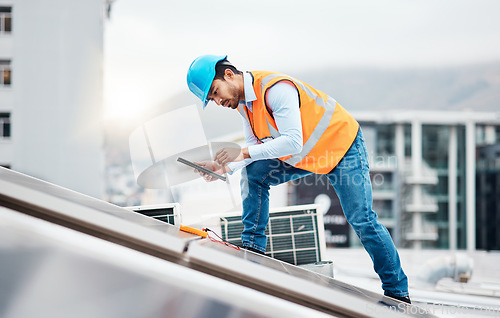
(421, 207)
(422, 231)
(383, 194)
(421, 179)
(421, 236)
(424, 202)
(427, 175)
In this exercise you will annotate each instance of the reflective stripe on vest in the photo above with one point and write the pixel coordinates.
(329, 107)
(328, 129)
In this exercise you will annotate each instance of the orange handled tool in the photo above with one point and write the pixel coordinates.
(193, 230)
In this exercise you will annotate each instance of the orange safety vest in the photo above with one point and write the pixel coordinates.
(328, 129)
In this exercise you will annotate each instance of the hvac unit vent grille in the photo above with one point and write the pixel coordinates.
(293, 235)
(165, 213)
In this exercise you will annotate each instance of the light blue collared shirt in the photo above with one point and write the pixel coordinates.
(283, 100)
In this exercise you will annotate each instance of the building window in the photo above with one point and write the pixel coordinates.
(407, 137)
(4, 125)
(5, 73)
(435, 138)
(5, 20)
(386, 135)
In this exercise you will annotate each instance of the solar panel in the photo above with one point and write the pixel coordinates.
(89, 215)
(52, 271)
(119, 226)
(295, 234)
(295, 283)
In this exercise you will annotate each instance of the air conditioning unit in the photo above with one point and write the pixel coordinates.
(166, 212)
(295, 234)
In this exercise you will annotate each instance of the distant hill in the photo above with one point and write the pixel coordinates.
(472, 87)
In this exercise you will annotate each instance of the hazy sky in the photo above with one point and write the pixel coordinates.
(149, 44)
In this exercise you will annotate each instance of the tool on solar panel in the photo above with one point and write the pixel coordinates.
(204, 233)
(193, 230)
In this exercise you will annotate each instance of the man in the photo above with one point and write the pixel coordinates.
(293, 130)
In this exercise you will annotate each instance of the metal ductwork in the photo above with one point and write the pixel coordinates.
(457, 267)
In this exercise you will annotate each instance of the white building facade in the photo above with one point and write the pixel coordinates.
(51, 64)
(6, 101)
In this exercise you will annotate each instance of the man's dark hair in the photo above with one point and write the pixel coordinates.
(221, 67)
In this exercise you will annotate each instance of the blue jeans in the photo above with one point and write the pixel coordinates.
(351, 181)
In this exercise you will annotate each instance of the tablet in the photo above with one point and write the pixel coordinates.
(202, 169)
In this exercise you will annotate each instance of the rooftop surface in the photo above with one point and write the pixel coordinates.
(479, 297)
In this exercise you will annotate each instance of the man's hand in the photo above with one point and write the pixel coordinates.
(229, 154)
(211, 165)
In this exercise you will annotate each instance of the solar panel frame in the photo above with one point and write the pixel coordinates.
(294, 283)
(92, 216)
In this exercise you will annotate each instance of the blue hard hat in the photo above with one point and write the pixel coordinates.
(201, 74)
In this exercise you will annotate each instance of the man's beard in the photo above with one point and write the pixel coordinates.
(233, 102)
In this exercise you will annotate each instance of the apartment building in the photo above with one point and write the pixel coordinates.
(423, 169)
(6, 102)
(51, 83)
